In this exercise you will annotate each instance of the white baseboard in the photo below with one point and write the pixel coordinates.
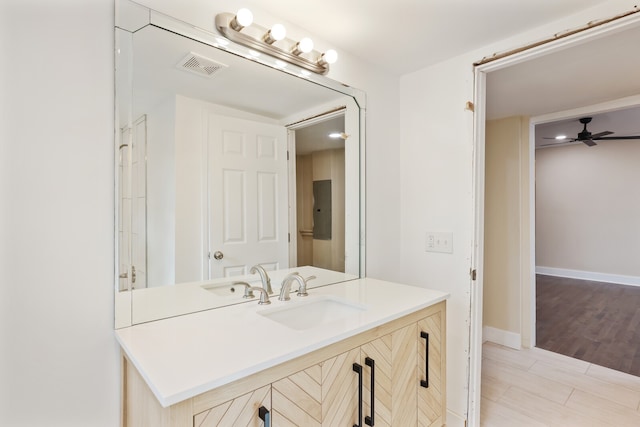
(455, 420)
(589, 275)
(502, 337)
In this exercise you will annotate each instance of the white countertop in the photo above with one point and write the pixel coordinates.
(184, 356)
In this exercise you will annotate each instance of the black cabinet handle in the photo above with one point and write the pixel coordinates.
(425, 383)
(371, 363)
(265, 416)
(358, 368)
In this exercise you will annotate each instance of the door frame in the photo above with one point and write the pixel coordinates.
(476, 291)
(291, 167)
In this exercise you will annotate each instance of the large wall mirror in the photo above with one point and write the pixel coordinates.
(223, 162)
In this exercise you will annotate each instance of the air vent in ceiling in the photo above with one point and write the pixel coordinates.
(200, 65)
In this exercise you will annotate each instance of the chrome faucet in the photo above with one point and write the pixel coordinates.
(264, 277)
(264, 296)
(286, 286)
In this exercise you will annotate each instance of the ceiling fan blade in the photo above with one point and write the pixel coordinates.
(560, 140)
(613, 138)
(589, 142)
(600, 134)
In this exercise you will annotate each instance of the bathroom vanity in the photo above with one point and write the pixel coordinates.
(361, 352)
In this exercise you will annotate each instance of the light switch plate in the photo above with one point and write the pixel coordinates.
(439, 242)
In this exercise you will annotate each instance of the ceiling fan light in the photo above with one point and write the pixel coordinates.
(561, 137)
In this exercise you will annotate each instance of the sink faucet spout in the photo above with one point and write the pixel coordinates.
(264, 278)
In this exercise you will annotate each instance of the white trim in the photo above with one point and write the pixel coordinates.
(293, 201)
(477, 254)
(502, 337)
(589, 275)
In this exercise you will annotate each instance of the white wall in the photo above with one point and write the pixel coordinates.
(58, 359)
(588, 208)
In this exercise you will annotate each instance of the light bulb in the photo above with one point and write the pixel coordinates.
(329, 57)
(243, 18)
(306, 45)
(277, 32)
(303, 46)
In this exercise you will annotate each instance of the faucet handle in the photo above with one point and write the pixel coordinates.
(302, 291)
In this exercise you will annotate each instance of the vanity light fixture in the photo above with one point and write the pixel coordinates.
(241, 29)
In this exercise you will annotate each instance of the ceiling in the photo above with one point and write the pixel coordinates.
(402, 36)
(600, 70)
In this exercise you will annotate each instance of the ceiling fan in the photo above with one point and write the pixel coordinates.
(590, 139)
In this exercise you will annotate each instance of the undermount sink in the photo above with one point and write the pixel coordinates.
(301, 315)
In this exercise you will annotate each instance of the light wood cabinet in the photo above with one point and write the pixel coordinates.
(431, 360)
(322, 388)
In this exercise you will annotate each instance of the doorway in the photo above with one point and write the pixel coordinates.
(544, 80)
(318, 146)
(588, 237)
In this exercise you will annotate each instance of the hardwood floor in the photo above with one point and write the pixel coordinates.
(535, 387)
(592, 321)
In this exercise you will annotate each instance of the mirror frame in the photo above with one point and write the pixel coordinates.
(131, 17)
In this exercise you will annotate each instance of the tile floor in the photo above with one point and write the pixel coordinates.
(535, 387)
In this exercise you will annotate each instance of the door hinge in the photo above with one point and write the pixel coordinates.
(473, 274)
(287, 154)
(289, 237)
(209, 255)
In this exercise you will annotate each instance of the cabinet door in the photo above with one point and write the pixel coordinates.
(431, 389)
(297, 399)
(340, 395)
(241, 411)
(392, 361)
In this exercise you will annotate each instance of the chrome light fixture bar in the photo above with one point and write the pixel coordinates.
(240, 29)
